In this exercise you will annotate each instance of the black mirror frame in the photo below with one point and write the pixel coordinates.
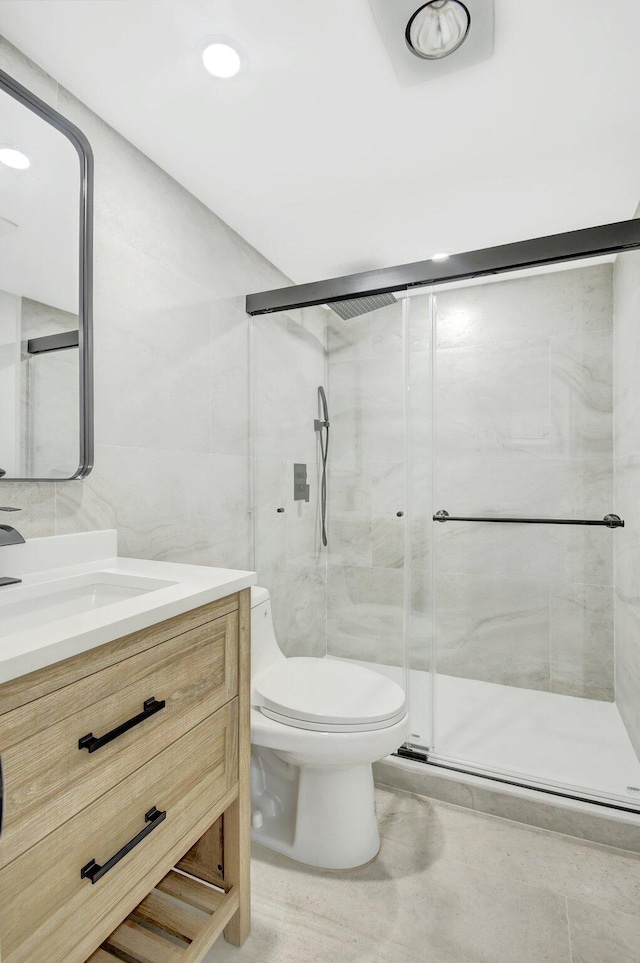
(85, 296)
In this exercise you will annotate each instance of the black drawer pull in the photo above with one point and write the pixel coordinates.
(91, 742)
(94, 872)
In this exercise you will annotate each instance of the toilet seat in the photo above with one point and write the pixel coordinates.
(328, 695)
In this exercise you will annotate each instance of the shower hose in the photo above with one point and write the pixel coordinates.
(323, 428)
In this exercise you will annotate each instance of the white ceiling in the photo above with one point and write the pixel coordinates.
(316, 154)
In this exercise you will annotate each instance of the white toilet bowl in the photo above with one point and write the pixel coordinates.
(317, 725)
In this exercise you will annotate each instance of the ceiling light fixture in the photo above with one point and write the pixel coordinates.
(13, 158)
(428, 39)
(438, 28)
(440, 256)
(222, 60)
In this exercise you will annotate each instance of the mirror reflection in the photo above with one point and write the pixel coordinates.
(40, 182)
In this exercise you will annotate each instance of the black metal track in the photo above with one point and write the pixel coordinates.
(555, 248)
(408, 752)
(53, 342)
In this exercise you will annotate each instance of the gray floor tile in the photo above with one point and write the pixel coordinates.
(404, 905)
(560, 864)
(602, 936)
(448, 886)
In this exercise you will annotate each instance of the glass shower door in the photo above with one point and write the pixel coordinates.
(524, 613)
(369, 570)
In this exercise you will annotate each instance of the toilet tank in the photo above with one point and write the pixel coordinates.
(265, 651)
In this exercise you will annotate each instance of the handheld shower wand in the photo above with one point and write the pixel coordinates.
(322, 427)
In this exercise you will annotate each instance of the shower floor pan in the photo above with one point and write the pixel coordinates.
(579, 746)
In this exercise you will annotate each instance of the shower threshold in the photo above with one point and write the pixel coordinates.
(565, 745)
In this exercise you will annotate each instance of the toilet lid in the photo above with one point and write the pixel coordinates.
(330, 695)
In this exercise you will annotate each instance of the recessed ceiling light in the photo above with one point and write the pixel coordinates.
(440, 256)
(221, 60)
(438, 28)
(14, 158)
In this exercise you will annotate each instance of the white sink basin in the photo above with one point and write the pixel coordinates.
(77, 594)
(28, 607)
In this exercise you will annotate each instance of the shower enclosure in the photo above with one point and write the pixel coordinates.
(483, 501)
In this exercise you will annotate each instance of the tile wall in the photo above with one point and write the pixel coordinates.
(627, 489)
(172, 469)
(367, 483)
(524, 426)
(288, 363)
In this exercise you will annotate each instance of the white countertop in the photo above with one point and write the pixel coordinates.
(34, 648)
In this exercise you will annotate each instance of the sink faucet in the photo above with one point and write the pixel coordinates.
(9, 536)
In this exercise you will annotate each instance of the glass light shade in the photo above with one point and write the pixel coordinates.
(438, 28)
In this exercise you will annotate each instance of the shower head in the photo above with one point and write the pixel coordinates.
(354, 307)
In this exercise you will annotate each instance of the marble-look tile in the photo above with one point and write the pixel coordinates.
(348, 340)
(581, 394)
(627, 477)
(407, 901)
(388, 497)
(229, 379)
(270, 525)
(284, 934)
(548, 814)
(387, 328)
(495, 630)
(572, 554)
(581, 640)
(289, 364)
(349, 517)
(314, 319)
(627, 664)
(364, 614)
(152, 353)
(556, 303)
(602, 935)
(420, 407)
(198, 514)
(303, 526)
(350, 541)
(37, 501)
(493, 401)
(349, 493)
(423, 781)
(626, 353)
(627, 595)
(299, 605)
(582, 870)
(534, 487)
(366, 406)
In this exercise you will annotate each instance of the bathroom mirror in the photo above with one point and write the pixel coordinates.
(46, 401)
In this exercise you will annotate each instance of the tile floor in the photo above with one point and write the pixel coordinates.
(449, 886)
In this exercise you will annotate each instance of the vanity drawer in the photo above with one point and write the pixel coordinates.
(46, 907)
(48, 778)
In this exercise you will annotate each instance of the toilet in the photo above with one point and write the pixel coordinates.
(317, 725)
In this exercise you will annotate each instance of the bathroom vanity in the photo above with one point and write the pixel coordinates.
(124, 740)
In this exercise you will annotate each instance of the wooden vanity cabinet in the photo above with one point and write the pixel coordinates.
(126, 796)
